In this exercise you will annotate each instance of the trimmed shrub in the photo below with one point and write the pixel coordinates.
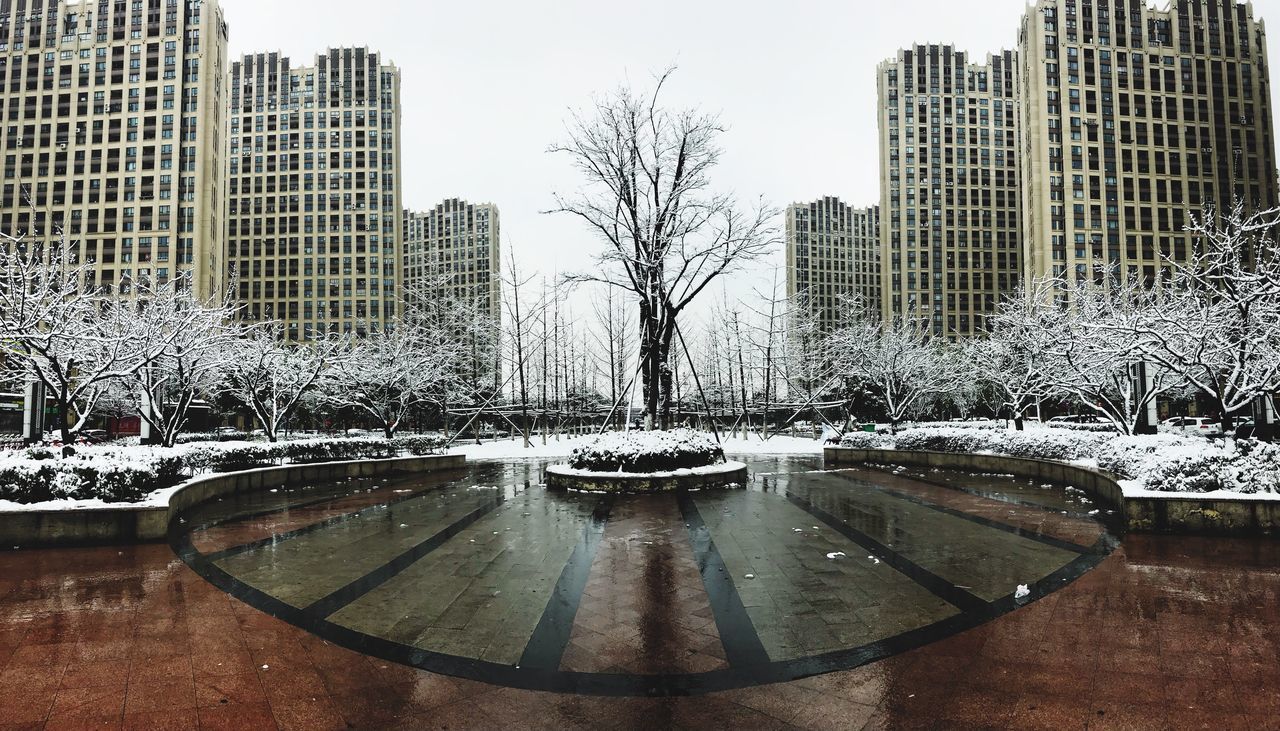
(119, 474)
(866, 440)
(420, 444)
(1165, 462)
(652, 451)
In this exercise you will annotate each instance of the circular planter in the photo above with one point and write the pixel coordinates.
(564, 477)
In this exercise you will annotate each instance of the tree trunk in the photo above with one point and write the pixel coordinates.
(664, 372)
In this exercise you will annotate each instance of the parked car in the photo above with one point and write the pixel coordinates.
(1201, 425)
(226, 430)
(1244, 429)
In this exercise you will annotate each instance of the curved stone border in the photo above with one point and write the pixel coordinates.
(144, 524)
(1178, 513)
(564, 477)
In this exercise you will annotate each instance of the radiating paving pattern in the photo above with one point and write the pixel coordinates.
(482, 573)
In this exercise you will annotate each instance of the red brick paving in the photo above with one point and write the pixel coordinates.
(644, 609)
(1166, 633)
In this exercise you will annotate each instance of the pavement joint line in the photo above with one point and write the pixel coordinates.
(550, 638)
(978, 519)
(319, 525)
(269, 511)
(357, 588)
(738, 635)
(976, 493)
(936, 585)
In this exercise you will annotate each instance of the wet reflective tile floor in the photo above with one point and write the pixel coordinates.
(846, 599)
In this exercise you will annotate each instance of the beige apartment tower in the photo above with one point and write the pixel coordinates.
(459, 239)
(949, 187)
(833, 253)
(1134, 118)
(314, 223)
(113, 122)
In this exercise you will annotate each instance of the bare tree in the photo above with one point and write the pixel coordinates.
(612, 351)
(1217, 321)
(666, 235)
(896, 360)
(443, 312)
(271, 376)
(1094, 355)
(520, 321)
(1013, 357)
(197, 340)
(387, 373)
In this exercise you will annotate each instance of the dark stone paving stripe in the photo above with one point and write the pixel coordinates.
(327, 522)
(549, 639)
(742, 645)
(936, 585)
(980, 520)
(342, 597)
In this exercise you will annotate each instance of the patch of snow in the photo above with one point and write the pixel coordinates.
(712, 469)
(1023, 591)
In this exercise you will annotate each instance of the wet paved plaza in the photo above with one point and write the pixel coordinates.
(474, 598)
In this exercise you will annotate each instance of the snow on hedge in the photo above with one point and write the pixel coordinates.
(1160, 462)
(646, 451)
(113, 474)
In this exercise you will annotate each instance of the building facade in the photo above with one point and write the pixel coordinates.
(1134, 118)
(113, 133)
(949, 187)
(453, 251)
(460, 239)
(314, 223)
(833, 253)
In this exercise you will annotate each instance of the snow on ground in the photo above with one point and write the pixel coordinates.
(713, 469)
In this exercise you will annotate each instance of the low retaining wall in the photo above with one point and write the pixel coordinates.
(561, 477)
(40, 529)
(1177, 513)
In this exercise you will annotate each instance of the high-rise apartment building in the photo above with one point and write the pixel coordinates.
(949, 187)
(460, 239)
(113, 133)
(1134, 117)
(314, 221)
(833, 251)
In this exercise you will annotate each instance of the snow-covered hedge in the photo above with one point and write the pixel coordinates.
(647, 451)
(37, 475)
(122, 474)
(1165, 462)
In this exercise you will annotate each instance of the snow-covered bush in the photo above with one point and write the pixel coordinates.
(647, 451)
(420, 444)
(212, 436)
(229, 457)
(112, 476)
(1085, 426)
(27, 480)
(866, 440)
(1165, 462)
(1253, 467)
(118, 474)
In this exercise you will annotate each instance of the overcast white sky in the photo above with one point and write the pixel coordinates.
(486, 85)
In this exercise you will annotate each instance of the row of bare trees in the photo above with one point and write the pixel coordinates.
(158, 349)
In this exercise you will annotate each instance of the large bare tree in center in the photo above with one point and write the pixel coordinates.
(667, 233)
